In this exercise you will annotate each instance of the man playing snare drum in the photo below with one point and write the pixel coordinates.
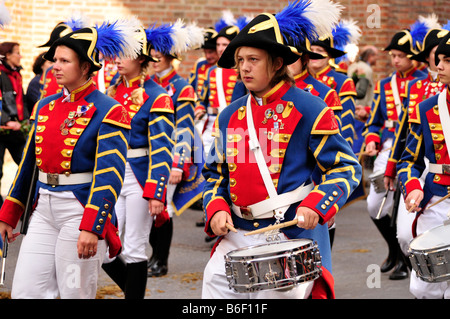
(388, 98)
(429, 138)
(267, 143)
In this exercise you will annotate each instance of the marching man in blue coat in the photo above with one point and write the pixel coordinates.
(78, 143)
(429, 139)
(267, 144)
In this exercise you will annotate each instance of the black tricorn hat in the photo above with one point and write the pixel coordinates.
(229, 32)
(210, 39)
(432, 39)
(262, 32)
(146, 46)
(59, 31)
(327, 44)
(83, 42)
(443, 48)
(402, 41)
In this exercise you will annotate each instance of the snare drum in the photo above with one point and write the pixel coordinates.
(277, 265)
(377, 180)
(430, 254)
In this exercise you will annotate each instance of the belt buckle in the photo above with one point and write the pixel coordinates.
(446, 169)
(246, 213)
(52, 179)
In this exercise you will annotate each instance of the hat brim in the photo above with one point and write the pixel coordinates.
(332, 52)
(49, 55)
(287, 53)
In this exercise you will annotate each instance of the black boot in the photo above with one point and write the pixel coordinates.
(136, 280)
(331, 232)
(401, 269)
(116, 270)
(389, 234)
(161, 249)
(153, 239)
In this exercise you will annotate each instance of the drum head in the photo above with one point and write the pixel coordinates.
(376, 174)
(437, 237)
(269, 249)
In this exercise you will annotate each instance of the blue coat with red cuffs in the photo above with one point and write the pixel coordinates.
(304, 135)
(184, 98)
(85, 131)
(152, 125)
(426, 139)
(345, 88)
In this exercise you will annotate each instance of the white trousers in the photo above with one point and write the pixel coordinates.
(48, 265)
(430, 218)
(134, 220)
(169, 198)
(215, 283)
(207, 137)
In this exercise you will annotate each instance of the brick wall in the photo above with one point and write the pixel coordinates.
(33, 20)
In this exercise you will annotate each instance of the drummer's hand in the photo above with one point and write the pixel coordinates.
(87, 244)
(414, 197)
(155, 207)
(371, 149)
(175, 176)
(218, 222)
(307, 218)
(389, 183)
(198, 114)
(7, 231)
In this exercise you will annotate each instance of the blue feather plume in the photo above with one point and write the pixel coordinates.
(446, 26)
(419, 30)
(77, 21)
(242, 21)
(161, 37)
(117, 39)
(341, 36)
(294, 26)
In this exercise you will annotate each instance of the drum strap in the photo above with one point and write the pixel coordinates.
(397, 101)
(219, 88)
(444, 117)
(282, 202)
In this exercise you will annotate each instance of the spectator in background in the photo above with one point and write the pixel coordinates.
(14, 112)
(362, 74)
(40, 65)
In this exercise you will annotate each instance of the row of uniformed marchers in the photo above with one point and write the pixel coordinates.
(264, 131)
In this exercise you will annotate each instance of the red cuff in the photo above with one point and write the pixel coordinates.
(411, 185)
(372, 137)
(391, 169)
(315, 201)
(153, 191)
(10, 212)
(94, 222)
(213, 207)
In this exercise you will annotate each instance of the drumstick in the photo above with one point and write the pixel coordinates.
(442, 199)
(272, 227)
(412, 208)
(230, 227)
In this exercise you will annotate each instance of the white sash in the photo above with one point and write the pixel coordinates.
(444, 117)
(397, 101)
(101, 79)
(219, 88)
(265, 208)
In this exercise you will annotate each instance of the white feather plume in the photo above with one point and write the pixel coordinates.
(352, 27)
(228, 17)
(195, 35)
(180, 37)
(324, 14)
(5, 17)
(431, 21)
(133, 45)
